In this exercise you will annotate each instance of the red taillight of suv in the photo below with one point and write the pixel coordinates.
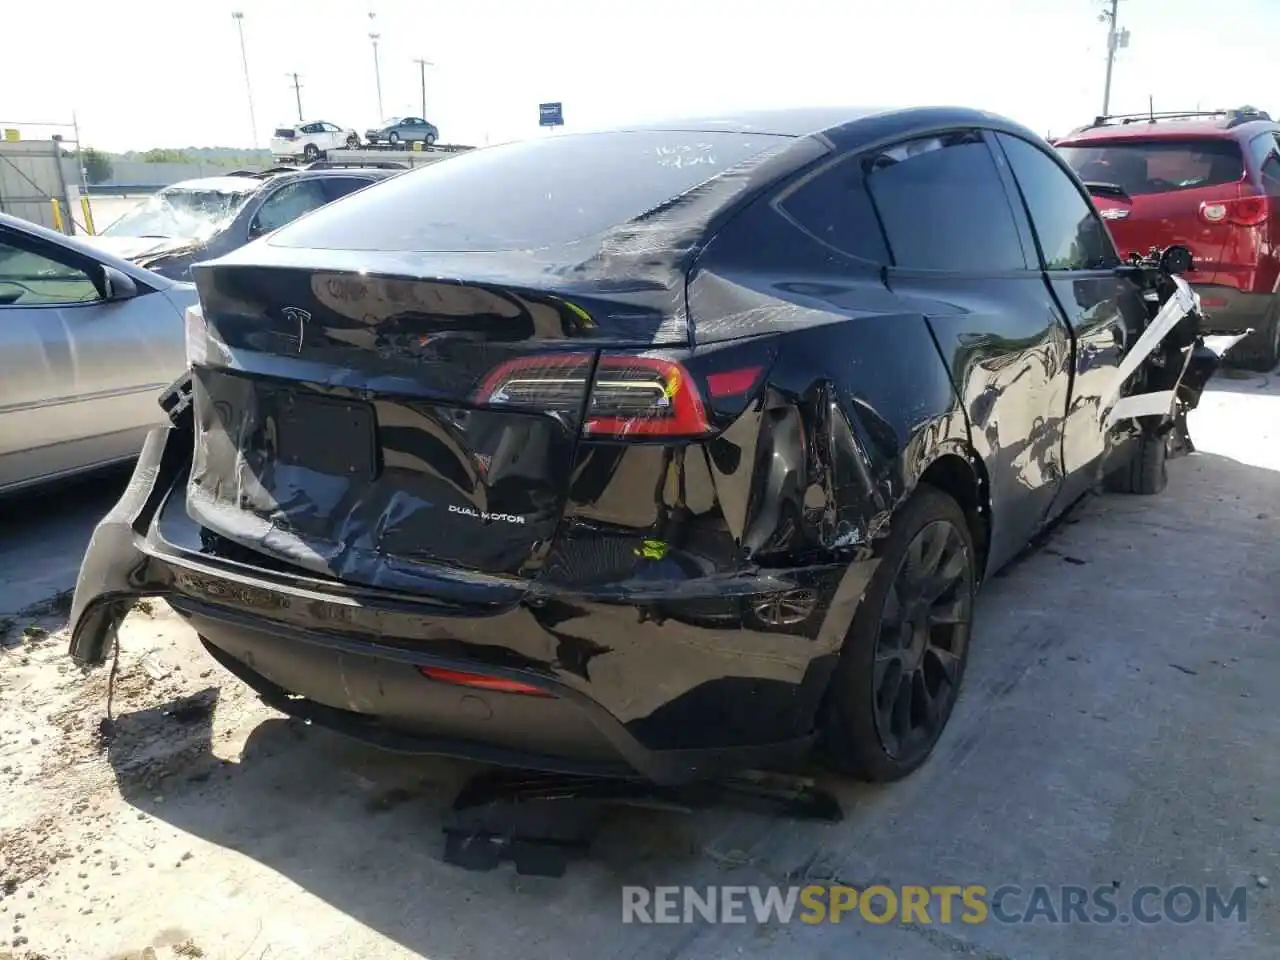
(631, 395)
(1242, 211)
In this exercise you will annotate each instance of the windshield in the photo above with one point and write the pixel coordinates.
(391, 122)
(528, 195)
(181, 212)
(1157, 166)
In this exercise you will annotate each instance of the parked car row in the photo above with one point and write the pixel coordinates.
(314, 139)
(654, 452)
(202, 219)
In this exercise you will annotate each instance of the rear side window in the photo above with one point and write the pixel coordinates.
(527, 195)
(834, 208)
(287, 204)
(1266, 162)
(335, 187)
(944, 206)
(1157, 166)
(1071, 235)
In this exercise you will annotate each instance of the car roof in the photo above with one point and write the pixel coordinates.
(785, 122)
(372, 173)
(1219, 125)
(217, 184)
(844, 127)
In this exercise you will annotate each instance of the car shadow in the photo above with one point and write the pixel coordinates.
(43, 535)
(361, 829)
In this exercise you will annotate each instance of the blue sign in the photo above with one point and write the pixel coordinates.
(551, 114)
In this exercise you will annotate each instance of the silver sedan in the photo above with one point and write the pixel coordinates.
(87, 343)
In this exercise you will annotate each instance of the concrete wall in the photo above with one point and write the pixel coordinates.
(128, 173)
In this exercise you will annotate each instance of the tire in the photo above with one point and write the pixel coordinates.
(310, 153)
(865, 702)
(1147, 473)
(430, 140)
(393, 139)
(1260, 350)
(353, 142)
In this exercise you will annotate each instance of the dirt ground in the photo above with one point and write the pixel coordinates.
(1119, 725)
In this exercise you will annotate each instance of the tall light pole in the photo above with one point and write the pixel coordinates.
(422, 72)
(377, 72)
(297, 91)
(238, 17)
(1116, 38)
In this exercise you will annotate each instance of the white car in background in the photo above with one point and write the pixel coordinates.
(312, 140)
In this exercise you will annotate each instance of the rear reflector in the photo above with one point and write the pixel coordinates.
(631, 395)
(1244, 211)
(1212, 302)
(732, 383)
(480, 681)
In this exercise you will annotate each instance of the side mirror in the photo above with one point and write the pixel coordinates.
(117, 285)
(1175, 260)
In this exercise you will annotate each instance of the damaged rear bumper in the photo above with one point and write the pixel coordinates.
(673, 683)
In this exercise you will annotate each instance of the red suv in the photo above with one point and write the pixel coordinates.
(1210, 181)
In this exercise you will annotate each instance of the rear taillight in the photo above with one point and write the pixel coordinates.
(644, 396)
(1242, 212)
(631, 395)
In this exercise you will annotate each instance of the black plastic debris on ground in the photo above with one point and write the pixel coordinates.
(539, 822)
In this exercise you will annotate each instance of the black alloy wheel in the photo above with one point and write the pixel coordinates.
(924, 630)
(903, 661)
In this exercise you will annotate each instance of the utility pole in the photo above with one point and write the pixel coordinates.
(422, 73)
(1116, 38)
(238, 17)
(297, 92)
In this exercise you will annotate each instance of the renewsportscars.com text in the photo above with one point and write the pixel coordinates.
(938, 904)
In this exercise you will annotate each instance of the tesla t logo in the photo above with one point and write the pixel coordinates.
(301, 318)
(1113, 213)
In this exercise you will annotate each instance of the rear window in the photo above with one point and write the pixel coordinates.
(284, 131)
(1157, 166)
(536, 193)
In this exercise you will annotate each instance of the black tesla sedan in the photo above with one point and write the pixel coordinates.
(660, 451)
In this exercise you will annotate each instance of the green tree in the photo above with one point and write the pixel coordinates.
(165, 155)
(97, 165)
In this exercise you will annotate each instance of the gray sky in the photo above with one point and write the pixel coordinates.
(143, 73)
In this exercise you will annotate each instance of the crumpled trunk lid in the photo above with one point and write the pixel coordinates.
(348, 423)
